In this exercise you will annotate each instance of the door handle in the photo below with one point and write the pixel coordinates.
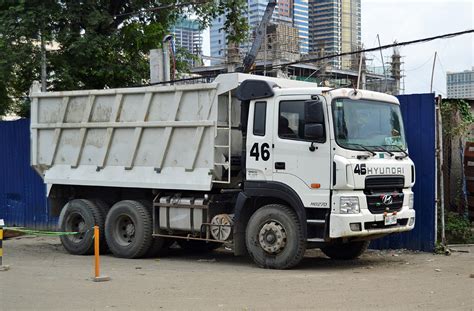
(280, 165)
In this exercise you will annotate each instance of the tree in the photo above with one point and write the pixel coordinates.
(21, 24)
(456, 119)
(100, 43)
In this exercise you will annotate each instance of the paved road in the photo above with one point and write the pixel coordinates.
(44, 277)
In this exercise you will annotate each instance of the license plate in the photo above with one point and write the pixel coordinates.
(390, 220)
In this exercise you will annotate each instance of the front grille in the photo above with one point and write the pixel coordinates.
(384, 182)
(384, 193)
(379, 203)
(380, 224)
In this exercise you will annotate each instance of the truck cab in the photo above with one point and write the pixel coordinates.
(341, 153)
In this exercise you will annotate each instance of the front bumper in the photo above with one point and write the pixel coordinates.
(369, 224)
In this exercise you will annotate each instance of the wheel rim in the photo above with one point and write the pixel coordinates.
(272, 237)
(221, 228)
(124, 230)
(75, 223)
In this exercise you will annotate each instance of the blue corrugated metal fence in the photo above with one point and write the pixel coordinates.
(22, 192)
(23, 199)
(418, 112)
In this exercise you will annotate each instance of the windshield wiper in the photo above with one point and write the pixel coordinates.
(401, 150)
(384, 150)
(365, 148)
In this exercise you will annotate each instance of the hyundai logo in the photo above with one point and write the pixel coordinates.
(387, 199)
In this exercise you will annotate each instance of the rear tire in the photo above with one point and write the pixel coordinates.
(81, 216)
(274, 237)
(128, 229)
(345, 251)
(103, 209)
(159, 245)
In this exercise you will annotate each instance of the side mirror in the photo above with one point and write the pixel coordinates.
(314, 132)
(313, 111)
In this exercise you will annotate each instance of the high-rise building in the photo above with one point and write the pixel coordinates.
(188, 34)
(281, 14)
(460, 84)
(290, 12)
(335, 27)
(301, 21)
(218, 40)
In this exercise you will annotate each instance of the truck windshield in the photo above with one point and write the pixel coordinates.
(369, 124)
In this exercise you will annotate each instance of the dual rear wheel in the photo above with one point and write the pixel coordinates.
(81, 216)
(127, 228)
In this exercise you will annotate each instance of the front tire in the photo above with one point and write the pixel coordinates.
(80, 216)
(128, 229)
(345, 251)
(274, 237)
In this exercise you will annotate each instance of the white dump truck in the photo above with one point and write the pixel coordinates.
(269, 167)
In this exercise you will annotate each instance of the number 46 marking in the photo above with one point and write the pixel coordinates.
(360, 169)
(264, 151)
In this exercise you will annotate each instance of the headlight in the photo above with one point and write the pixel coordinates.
(411, 200)
(349, 205)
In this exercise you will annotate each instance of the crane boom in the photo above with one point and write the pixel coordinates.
(249, 59)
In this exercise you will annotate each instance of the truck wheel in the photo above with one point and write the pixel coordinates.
(128, 229)
(274, 237)
(345, 251)
(195, 246)
(159, 245)
(103, 209)
(80, 216)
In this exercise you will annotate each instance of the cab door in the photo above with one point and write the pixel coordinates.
(299, 162)
(259, 141)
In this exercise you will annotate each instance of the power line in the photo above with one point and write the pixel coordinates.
(423, 40)
(444, 36)
(441, 63)
(164, 7)
(418, 67)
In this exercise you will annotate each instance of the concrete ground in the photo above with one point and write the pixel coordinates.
(43, 276)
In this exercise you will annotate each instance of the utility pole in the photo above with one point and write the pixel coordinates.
(265, 51)
(359, 76)
(43, 64)
(383, 65)
(432, 71)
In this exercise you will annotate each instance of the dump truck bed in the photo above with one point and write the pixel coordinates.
(146, 137)
(159, 137)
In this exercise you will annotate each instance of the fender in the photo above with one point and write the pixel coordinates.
(271, 189)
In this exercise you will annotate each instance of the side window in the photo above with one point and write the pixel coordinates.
(259, 117)
(291, 122)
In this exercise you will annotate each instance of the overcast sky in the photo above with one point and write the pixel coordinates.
(405, 20)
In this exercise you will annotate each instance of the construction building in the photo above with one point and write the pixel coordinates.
(281, 44)
(386, 80)
(288, 12)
